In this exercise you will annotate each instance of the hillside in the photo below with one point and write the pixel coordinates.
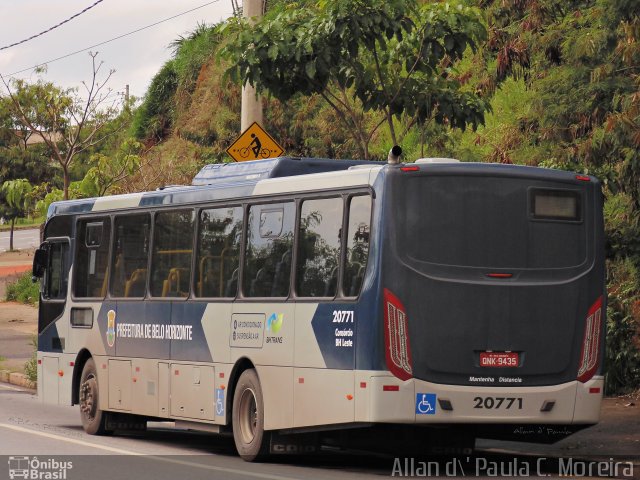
(559, 86)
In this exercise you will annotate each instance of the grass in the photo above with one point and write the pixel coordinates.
(23, 290)
(23, 223)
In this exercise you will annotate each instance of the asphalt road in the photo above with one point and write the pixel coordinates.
(22, 239)
(50, 438)
(51, 432)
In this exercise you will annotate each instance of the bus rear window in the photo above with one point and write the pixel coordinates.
(489, 222)
(555, 205)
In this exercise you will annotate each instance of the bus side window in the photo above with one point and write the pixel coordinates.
(267, 265)
(56, 279)
(218, 256)
(319, 247)
(171, 256)
(92, 258)
(357, 251)
(130, 254)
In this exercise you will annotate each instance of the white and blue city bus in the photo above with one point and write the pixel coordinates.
(295, 302)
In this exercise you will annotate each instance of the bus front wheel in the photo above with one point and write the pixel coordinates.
(252, 442)
(93, 419)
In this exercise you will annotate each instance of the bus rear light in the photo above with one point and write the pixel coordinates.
(590, 356)
(500, 275)
(584, 178)
(410, 169)
(396, 337)
(391, 388)
(594, 390)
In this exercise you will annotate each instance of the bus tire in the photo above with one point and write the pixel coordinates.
(93, 419)
(252, 442)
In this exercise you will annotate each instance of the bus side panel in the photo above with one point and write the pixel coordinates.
(323, 397)
(89, 337)
(277, 394)
(264, 334)
(588, 401)
(216, 327)
(49, 390)
(323, 384)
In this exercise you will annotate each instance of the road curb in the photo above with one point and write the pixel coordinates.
(19, 379)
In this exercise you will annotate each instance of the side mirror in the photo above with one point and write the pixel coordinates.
(40, 261)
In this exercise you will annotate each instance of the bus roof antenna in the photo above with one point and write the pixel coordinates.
(394, 155)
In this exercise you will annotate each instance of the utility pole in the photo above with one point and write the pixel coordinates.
(251, 103)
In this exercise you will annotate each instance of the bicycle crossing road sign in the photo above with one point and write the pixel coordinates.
(254, 144)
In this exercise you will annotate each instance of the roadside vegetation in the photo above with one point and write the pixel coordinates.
(33, 222)
(23, 290)
(535, 82)
(31, 366)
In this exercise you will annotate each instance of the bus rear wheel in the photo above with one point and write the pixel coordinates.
(93, 419)
(252, 442)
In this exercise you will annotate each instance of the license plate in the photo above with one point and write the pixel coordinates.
(499, 359)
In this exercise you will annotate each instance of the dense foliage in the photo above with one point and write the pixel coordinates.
(389, 58)
(547, 83)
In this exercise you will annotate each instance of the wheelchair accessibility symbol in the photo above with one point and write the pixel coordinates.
(219, 402)
(425, 404)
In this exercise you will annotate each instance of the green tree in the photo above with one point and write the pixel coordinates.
(17, 196)
(386, 58)
(109, 171)
(66, 122)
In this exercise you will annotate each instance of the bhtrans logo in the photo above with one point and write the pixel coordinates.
(34, 468)
(274, 322)
(274, 325)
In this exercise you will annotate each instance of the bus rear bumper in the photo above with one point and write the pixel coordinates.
(415, 401)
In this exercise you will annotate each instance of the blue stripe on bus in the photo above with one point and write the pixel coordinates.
(155, 329)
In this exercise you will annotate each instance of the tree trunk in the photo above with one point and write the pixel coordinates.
(65, 171)
(365, 148)
(13, 221)
(392, 129)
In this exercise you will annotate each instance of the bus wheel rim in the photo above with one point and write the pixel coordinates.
(248, 415)
(87, 398)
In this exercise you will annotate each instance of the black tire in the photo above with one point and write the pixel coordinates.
(93, 419)
(252, 442)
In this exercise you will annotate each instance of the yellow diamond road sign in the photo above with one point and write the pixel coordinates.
(254, 144)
